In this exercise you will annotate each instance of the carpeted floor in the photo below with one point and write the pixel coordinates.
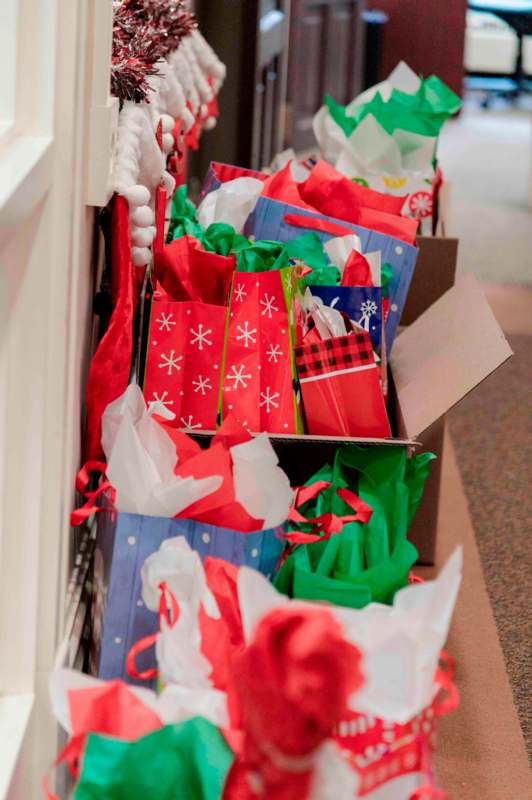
(486, 156)
(492, 434)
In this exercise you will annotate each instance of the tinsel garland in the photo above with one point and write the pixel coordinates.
(144, 32)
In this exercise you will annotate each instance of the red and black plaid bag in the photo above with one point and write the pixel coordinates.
(341, 387)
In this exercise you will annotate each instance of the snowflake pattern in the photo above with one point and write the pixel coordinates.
(367, 309)
(245, 334)
(268, 399)
(240, 292)
(161, 399)
(239, 377)
(165, 321)
(201, 337)
(170, 361)
(202, 385)
(274, 353)
(269, 305)
(189, 423)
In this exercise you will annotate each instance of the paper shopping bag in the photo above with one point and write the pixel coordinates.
(282, 223)
(219, 173)
(394, 761)
(123, 543)
(259, 368)
(362, 304)
(184, 360)
(341, 388)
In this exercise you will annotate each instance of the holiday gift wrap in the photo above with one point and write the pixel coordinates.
(232, 501)
(123, 543)
(341, 387)
(281, 222)
(362, 304)
(259, 369)
(184, 360)
(234, 651)
(219, 173)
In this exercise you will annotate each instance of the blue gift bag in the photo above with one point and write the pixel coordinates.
(267, 221)
(363, 304)
(123, 542)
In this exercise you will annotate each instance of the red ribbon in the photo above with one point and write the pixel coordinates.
(167, 611)
(317, 224)
(444, 678)
(80, 515)
(324, 524)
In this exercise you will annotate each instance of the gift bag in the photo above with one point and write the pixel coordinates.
(219, 173)
(185, 338)
(273, 220)
(341, 387)
(259, 369)
(184, 358)
(230, 500)
(362, 304)
(123, 542)
(394, 761)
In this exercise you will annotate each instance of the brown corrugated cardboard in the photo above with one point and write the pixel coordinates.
(433, 275)
(444, 354)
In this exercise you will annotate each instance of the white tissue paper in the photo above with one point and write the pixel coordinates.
(371, 150)
(328, 321)
(400, 644)
(340, 248)
(329, 135)
(141, 458)
(178, 646)
(231, 203)
(177, 565)
(178, 652)
(402, 78)
(260, 484)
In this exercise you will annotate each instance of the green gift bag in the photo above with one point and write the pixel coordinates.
(368, 561)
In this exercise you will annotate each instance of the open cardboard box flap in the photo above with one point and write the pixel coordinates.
(444, 354)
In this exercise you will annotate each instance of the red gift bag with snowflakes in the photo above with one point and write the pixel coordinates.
(184, 357)
(341, 387)
(259, 368)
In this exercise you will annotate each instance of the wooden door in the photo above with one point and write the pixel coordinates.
(429, 35)
(251, 38)
(326, 56)
(269, 81)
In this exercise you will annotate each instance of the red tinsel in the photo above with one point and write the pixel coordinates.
(144, 32)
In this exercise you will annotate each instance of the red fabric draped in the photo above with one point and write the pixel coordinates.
(111, 363)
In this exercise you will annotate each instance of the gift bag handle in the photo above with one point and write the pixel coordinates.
(79, 515)
(324, 524)
(444, 678)
(169, 611)
(317, 224)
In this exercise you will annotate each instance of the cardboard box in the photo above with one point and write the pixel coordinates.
(433, 276)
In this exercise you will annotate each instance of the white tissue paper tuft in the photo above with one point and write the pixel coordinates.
(232, 203)
(260, 484)
(177, 565)
(141, 458)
